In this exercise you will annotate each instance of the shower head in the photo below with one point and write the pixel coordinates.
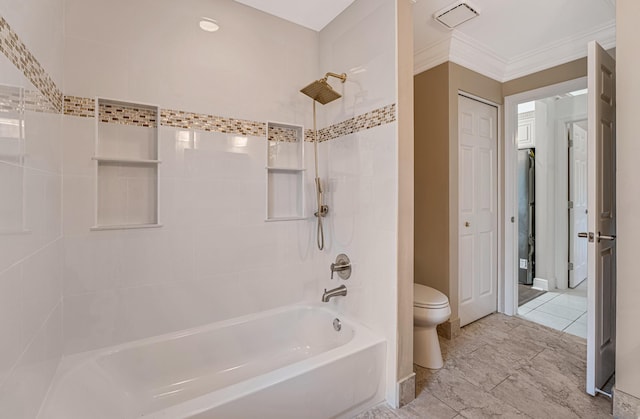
(321, 91)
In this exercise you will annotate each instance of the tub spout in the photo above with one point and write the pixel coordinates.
(341, 290)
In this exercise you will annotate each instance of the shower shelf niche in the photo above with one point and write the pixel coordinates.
(127, 165)
(285, 172)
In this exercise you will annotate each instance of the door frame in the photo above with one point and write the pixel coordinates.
(454, 211)
(508, 219)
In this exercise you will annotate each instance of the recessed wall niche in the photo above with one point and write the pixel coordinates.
(285, 172)
(127, 165)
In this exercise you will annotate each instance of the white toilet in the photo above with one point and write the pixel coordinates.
(430, 308)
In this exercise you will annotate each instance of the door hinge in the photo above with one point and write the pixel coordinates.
(570, 143)
(571, 266)
(570, 205)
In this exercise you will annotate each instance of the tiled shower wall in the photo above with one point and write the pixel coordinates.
(215, 257)
(31, 244)
(362, 167)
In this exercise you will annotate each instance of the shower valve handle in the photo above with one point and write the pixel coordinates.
(342, 266)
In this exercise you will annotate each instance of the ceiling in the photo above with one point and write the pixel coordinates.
(510, 38)
(313, 14)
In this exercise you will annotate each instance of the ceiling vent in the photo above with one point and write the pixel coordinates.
(456, 14)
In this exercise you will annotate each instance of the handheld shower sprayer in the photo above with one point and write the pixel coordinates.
(322, 92)
(323, 210)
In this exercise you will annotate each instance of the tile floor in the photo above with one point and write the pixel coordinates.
(503, 366)
(560, 310)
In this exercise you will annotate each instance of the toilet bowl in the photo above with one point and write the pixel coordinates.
(430, 308)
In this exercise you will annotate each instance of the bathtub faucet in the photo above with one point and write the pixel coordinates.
(341, 290)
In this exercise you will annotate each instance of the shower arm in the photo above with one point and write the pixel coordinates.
(342, 77)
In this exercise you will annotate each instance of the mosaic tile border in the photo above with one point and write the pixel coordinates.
(365, 121)
(34, 101)
(11, 99)
(121, 114)
(191, 120)
(79, 106)
(49, 98)
(85, 107)
(308, 135)
(18, 53)
(18, 100)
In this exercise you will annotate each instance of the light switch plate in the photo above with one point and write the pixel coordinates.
(524, 263)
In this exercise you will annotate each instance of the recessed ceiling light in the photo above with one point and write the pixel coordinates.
(208, 24)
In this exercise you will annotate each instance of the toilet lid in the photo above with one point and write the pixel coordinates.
(427, 297)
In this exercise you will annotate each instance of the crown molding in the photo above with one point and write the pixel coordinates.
(475, 56)
(432, 55)
(560, 52)
(466, 51)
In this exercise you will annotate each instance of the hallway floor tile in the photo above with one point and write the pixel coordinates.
(560, 310)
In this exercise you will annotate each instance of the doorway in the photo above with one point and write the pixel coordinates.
(551, 191)
(541, 123)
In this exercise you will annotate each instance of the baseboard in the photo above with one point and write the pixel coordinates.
(540, 284)
(407, 389)
(625, 406)
(449, 329)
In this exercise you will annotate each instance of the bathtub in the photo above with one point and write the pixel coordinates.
(284, 363)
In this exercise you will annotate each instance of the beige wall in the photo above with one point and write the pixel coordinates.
(436, 160)
(558, 74)
(463, 79)
(431, 116)
(628, 173)
(436, 174)
(404, 49)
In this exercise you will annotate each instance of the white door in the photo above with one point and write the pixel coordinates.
(601, 180)
(578, 199)
(477, 183)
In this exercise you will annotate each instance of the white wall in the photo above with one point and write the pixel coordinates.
(362, 168)
(628, 204)
(153, 51)
(551, 186)
(215, 257)
(544, 193)
(30, 240)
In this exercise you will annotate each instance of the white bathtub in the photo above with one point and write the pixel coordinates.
(284, 363)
